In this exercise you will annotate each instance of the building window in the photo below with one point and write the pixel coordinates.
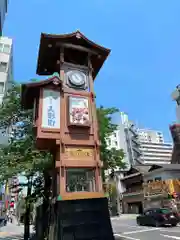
(3, 66)
(80, 180)
(1, 87)
(114, 135)
(1, 47)
(158, 179)
(6, 48)
(115, 143)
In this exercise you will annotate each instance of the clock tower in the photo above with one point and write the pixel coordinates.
(66, 124)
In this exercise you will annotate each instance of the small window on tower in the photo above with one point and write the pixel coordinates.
(80, 180)
(75, 57)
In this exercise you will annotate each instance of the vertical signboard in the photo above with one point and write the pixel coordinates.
(51, 109)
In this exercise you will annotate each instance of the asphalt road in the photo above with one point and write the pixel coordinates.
(127, 229)
(124, 229)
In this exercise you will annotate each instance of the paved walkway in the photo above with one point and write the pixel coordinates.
(125, 216)
(12, 232)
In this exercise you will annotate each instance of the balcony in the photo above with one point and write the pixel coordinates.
(133, 130)
(133, 191)
(135, 140)
(137, 150)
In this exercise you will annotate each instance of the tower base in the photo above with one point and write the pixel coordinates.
(82, 219)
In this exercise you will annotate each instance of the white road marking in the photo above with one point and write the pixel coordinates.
(143, 230)
(170, 230)
(122, 236)
(172, 237)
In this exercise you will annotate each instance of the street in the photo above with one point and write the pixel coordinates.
(126, 228)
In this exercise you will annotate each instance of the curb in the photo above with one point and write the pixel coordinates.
(124, 217)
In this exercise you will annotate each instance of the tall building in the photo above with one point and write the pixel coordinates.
(3, 11)
(126, 138)
(154, 150)
(6, 72)
(140, 146)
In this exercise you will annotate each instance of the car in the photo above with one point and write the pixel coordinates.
(158, 217)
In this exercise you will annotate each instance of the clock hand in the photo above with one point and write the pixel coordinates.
(77, 78)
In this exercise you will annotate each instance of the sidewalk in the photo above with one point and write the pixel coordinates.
(125, 216)
(12, 230)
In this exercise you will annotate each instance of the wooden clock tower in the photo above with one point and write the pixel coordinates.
(66, 124)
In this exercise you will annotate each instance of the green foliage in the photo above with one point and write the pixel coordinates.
(20, 155)
(111, 157)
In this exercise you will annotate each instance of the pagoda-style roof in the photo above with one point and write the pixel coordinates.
(50, 45)
(31, 90)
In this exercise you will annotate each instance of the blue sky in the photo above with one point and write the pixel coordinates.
(144, 35)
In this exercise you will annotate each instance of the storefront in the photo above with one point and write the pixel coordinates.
(133, 197)
(162, 187)
(133, 203)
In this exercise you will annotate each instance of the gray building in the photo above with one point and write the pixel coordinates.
(3, 11)
(140, 146)
(126, 138)
(154, 150)
(6, 74)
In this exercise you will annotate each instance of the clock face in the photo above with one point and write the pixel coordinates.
(77, 78)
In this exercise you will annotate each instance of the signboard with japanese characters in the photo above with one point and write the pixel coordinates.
(51, 109)
(155, 187)
(79, 153)
(78, 110)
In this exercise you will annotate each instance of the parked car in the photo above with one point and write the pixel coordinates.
(158, 217)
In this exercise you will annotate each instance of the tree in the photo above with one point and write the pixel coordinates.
(20, 155)
(111, 157)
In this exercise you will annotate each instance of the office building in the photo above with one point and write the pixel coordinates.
(154, 150)
(6, 65)
(6, 72)
(126, 138)
(3, 11)
(140, 146)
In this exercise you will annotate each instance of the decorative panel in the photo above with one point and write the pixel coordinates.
(79, 111)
